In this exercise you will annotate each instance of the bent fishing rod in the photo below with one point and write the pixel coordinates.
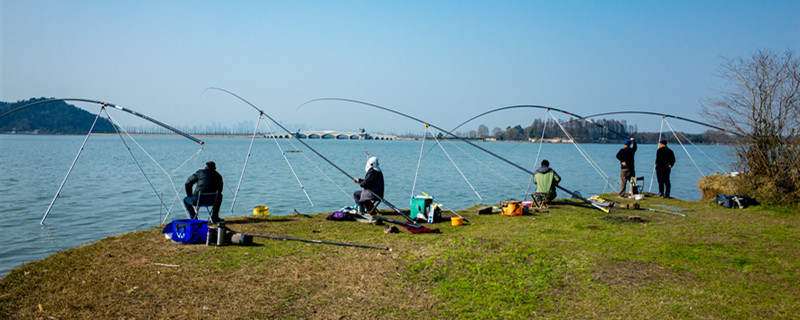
(412, 222)
(451, 134)
(537, 107)
(664, 115)
(106, 104)
(103, 106)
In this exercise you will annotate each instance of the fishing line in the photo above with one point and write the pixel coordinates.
(58, 192)
(106, 104)
(152, 159)
(684, 149)
(287, 162)
(536, 162)
(583, 153)
(538, 107)
(421, 148)
(136, 161)
(663, 115)
(701, 151)
(414, 223)
(457, 168)
(195, 156)
(451, 134)
(103, 105)
(660, 130)
(485, 165)
(246, 159)
(320, 169)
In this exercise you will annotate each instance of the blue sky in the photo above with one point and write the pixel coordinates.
(442, 61)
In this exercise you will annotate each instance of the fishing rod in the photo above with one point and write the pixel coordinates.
(447, 132)
(414, 223)
(316, 241)
(538, 107)
(106, 104)
(663, 211)
(103, 106)
(663, 115)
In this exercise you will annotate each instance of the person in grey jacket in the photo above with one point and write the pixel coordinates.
(372, 185)
(207, 180)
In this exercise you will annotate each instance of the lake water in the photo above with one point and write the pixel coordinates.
(108, 194)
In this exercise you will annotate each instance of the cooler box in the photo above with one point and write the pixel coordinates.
(511, 208)
(189, 231)
(420, 204)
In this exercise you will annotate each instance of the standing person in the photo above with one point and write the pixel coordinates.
(627, 170)
(546, 180)
(665, 159)
(372, 184)
(207, 180)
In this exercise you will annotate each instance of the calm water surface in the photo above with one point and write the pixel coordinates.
(107, 193)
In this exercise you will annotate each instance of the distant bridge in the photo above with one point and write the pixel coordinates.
(335, 135)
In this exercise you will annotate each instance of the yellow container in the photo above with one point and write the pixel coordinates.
(261, 211)
(456, 221)
(511, 208)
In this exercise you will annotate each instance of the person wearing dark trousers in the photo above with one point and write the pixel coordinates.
(626, 161)
(665, 159)
(372, 185)
(208, 180)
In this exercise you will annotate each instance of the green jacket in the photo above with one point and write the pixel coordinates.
(546, 182)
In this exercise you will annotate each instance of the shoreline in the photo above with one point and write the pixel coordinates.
(554, 141)
(568, 262)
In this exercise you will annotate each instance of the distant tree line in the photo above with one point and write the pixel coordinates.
(50, 118)
(62, 118)
(598, 131)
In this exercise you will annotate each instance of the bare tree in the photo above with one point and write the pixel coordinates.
(483, 131)
(761, 102)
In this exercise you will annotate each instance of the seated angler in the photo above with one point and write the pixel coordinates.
(546, 180)
(208, 180)
(372, 185)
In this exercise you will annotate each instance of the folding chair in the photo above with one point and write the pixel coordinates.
(371, 207)
(207, 200)
(636, 188)
(539, 200)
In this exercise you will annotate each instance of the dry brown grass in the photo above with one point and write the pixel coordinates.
(568, 263)
(121, 277)
(711, 186)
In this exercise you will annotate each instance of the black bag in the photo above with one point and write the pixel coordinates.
(738, 202)
(723, 200)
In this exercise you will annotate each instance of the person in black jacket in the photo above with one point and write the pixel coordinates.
(207, 180)
(665, 159)
(627, 170)
(372, 184)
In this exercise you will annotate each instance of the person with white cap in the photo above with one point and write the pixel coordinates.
(372, 185)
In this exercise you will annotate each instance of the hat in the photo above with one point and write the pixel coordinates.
(211, 165)
(626, 142)
(664, 142)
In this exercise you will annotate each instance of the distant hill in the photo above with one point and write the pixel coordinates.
(50, 118)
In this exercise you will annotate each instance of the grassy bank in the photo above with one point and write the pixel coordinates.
(570, 262)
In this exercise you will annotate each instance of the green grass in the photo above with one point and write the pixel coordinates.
(568, 263)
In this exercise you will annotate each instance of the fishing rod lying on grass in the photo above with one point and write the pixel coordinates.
(316, 241)
(224, 236)
(664, 211)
